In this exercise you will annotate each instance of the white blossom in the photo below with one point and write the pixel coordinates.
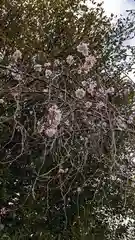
(100, 105)
(84, 83)
(48, 73)
(50, 132)
(61, 171)
(130, 119)
(48, 64)
(90, 61)
(1, 101)
(79, 71)
(1, 56)
(88, 104)
(110, 90)
(104, 124)
(56, 62)
(45, 90)
(120, 122)
(66, 170)
(70, 59)
(10, 203)
(17, 55)
(54, 116)
(38, 67)
(83, 48)
(16, 76)
(91, 87)
(80, 93)
(67, 122)
(79, 190)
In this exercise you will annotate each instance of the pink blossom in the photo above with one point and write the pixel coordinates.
(70, 59)
(83, 48)
(80, 93)
(50, 132)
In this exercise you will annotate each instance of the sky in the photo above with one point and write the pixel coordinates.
(118, 6)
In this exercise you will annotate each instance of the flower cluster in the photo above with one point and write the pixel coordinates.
(37, 67)
(80, 93)
(91, 88)
(83, 48)
(1, 56)
(54, 118)
(70, 59)
(48, 73)
(89, 63)
(17, 55)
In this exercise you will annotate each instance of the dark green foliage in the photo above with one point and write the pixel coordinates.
(36, 201)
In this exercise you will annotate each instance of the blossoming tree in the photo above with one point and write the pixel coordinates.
(66, 121)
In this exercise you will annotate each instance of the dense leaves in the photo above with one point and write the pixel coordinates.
(66, 122)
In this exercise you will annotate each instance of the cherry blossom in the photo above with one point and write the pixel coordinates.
(80, 93)
(70, 59)
(17, 55)
(83, 48)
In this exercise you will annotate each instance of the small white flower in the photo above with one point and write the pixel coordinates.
(45, 90)
(70, 59)
(67, 123)
(1, 56)
(88, 104)
(1, 101)
(83, 48)
(48, 73)
(84, 83)
(61, 171)
(54, 116)
(91, 87)
(17, 55)
(100, 105)
(79, 190)
(110, 90)
(66, 170)
(50, 132)
(38, 67)
(40, 127)
(90, 61)
(80, 93)
(130, 120)
(56, 62)
(120, 122)
(48, 64)
(79, 71)
(102, 91)
(16, 76)
(104, 124)
(10, 203)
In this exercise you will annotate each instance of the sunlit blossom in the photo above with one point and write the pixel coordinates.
(1, 56)
(91, 87)
(84, 83)
(48, 73)
(70, 59)
(1, 101)
(83, 48)
(80, 93)
(54, 116)
(88, 104)
(38, 67)
(17, 55)
(100, 105)
(47, 64)
(50, 132)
